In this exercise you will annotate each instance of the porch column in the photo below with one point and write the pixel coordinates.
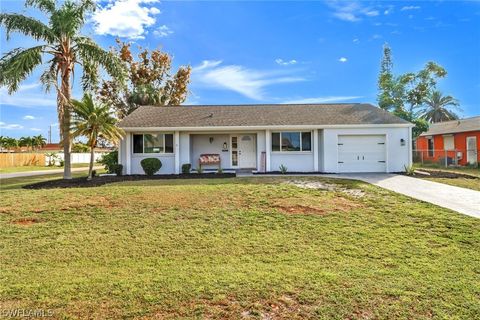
(268, 149)
(316, 150)
(176, 152)
(128, 152)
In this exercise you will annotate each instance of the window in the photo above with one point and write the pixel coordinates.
(289, 141)
(276, 141)
(430, 147)
(153, 143)
(138, 143)
(448, 143)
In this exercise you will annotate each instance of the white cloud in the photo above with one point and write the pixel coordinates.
(24, 98)
(36, 129)
(285, 62)
(27, 117)
(356, 40)
(343, 59)
(351, 11)
(248, 82)
(406, 8)
(376, 36)
(162, 31)
(125, 18)
(326, 99)
(372, 13)
(10, 126)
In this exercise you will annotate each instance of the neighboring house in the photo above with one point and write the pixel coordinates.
(456, 141)
(304, 138)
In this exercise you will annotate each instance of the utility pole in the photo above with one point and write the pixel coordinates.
(50, 134)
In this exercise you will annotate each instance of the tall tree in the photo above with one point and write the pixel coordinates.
(438, 108)
(404, 94)
(26, 142)
(39, 141)
(62, 48)
(94, 121)
(150, 81)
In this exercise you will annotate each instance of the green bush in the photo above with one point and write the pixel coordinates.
(151, 165)
(109, 161)
(117, 169)
(283, 169)
(186, 168)
(80, 147)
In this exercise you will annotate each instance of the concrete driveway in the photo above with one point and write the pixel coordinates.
(462, 200)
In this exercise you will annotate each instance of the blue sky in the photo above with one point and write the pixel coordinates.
(274, 52)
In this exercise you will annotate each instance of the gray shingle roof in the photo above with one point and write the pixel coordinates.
(463, 125)
(259, 115)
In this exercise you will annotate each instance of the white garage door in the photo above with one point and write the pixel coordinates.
(361, 153)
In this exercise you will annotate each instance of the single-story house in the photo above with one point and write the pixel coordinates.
(456, 142)
(333, 138)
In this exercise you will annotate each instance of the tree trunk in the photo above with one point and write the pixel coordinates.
(90, 167)
(66, 91)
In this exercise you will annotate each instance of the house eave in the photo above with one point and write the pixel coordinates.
(275, 127)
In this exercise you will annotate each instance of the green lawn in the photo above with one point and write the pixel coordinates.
(38, 168)
(235, 248)
(458, 182)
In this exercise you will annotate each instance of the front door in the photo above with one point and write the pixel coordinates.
(243, 151)
(472, 150)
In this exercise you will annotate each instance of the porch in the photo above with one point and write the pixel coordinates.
(230, 152)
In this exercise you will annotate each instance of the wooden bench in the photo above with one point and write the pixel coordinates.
(209, 158)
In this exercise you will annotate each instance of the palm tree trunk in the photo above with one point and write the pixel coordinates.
(66, 91)
(92, 156)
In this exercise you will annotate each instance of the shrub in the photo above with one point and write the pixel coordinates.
(199, 170)
(219, 171)
(109, 161)
(80, 147)
(186, 168)
(117, 169)
(52, 158)
(283, 169)
(409, 170)
(94, 173)
(61, 163)
(151, 165)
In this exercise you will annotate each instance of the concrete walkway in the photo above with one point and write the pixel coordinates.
(40, 172)
(462, 200)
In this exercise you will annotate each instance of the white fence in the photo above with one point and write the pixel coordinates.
(75, 158)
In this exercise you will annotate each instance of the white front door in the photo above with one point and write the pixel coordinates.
(472, 150)
(361, 153)
(243, 151)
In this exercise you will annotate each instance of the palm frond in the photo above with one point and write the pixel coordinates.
(16, 65)
(44, 5)
(28, 26)
(89, 51)
(70, 17)
(49, 77)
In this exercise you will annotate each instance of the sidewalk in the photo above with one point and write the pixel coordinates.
(41, 172)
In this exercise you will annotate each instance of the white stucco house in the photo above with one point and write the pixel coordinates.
(332, 138)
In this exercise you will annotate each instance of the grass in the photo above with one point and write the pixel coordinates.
(38, 168)
(473, 184)
(233, 248)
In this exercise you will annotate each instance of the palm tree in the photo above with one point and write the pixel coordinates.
(438, 108)
(59, 40)
(26, 142)
(11, 143)
(39, 141)
(94, 120)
